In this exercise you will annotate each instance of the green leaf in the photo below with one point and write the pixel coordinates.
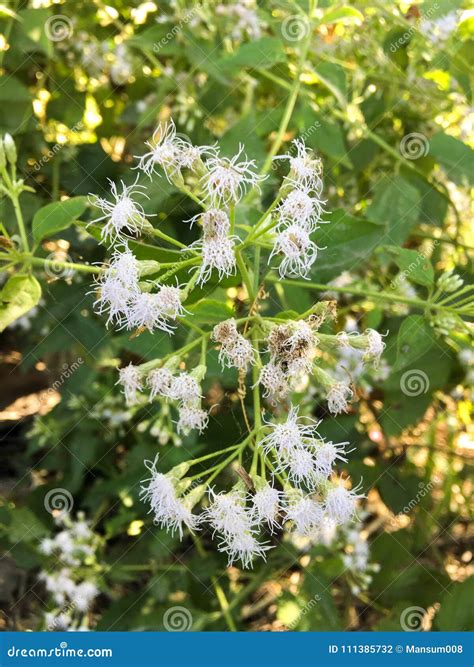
(57, 216)
(210, 310)
(348, 242)
(259, 54)
(456, 611)
(19, 295)
(329, 139)
(415, 266)
(415, 338)
(396, 204)
(456, 157)
(342, 15)
(334, 78)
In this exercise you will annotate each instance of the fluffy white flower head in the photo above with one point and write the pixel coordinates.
(124, 216)
(299, 252)
(227, 179)
(131, 381)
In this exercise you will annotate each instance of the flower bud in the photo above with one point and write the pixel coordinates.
(10, 149)
(450, 282)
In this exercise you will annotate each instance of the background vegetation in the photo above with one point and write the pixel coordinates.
(382, 93)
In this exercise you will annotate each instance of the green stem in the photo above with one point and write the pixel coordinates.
(20, 221)
(244, 272)
(169, 239)
(82, 268)
(382, 296)
(224, 604)
(290, 105)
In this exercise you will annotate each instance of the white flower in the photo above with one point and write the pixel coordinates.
(217, 253)
(266, 506)
(227, 179)
(169, 511)
(237, 354)
(302, 208)
(169, 301)
(299, 252)
(228, 516)
(226, 512)
(291, 435)
(46, 546)
(131, 381)
(242, 546)
(145, 311)
(84, 594)
(124, 216)
(375, 346)
(81, 530)
(159, 381)
(113, 298)
(304, 168)
(169, 151)
(302, 338)
(124, 266)
(301, 467)
(215, 223)
(184, 388)
(340, 504)
(338, 397)
(117, 285)
(326, 455)
(305, 512)
(190, 418)
(273, 380)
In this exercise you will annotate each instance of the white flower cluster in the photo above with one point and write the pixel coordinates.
(215, 245)
(73, 548)
(352, 361)
(299, 213)
(243, 18)
(292, 348)
(121, 295)
(301, 452)
(236, 351)
(237, 526)
(162, 493)
(183, 388)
